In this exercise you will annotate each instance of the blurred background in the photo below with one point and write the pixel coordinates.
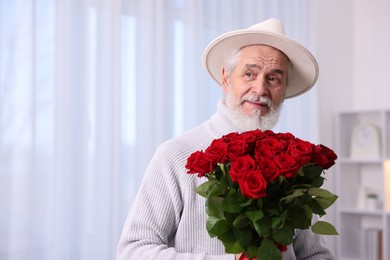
(90, 88)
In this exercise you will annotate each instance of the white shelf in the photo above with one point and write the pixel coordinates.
(353, 220)
(354, 161)
(356, 211)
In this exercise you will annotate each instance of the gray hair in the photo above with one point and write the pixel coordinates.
(232, 60)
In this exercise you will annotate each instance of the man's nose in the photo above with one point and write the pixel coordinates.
(259, 86)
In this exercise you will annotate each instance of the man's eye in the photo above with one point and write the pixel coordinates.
(273, 79)
(250, 75)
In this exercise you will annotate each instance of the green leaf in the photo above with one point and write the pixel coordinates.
(298, 218)
(244, 201)
(296, 193)
(284, 235)
(326, 203)
(318, 182)
(204, 188)
(228, 237)
(312, 171)
(308, 212)
(278, 221)
(255, 215)
(323, 197)
(216, 226)
(233, 248)
(324, 228)
(268, 250)
(318, 192)
(304, 200)
(230, 217)
(273, 210)
(218, 189)
(213, 207)
(241, 221)
(316, 208)
(263, 226)
(244, 235)
(230, 203)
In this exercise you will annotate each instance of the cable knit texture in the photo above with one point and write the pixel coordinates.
(168, 220)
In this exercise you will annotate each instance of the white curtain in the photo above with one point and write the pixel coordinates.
(88, 89)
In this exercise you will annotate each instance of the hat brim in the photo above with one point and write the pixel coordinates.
(305, 67)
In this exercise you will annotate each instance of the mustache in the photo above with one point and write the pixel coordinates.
(257, 99)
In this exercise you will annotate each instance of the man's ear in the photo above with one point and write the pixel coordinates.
(225, 80)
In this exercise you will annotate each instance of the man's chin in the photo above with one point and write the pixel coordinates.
(257, 113)
(256, 120)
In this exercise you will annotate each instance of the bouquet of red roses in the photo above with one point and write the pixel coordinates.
(260, 187)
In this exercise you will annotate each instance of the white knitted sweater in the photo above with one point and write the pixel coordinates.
(168, 219)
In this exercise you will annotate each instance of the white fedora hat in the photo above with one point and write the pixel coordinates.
(270, 32)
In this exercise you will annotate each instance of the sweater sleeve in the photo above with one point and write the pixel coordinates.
(308, 245)
(150, 228)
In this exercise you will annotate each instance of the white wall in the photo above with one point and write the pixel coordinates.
(353, 52)
(372, 54)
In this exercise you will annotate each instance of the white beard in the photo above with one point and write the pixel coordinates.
(253, 121)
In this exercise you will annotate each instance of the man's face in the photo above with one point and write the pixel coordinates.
(255, 89)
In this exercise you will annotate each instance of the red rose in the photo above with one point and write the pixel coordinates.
(301, 150)
(285, 137)
(241, 166)
(262, 151)
(244, 257)
(237, 148)
(251, 163)
(197, 163)
(268, 133)
(281, 247)
(324, 156)
(253, 185)
(287, 164)
(273, 143)
(217, 151)
(229, 137)
(251, 137)
(270, 169)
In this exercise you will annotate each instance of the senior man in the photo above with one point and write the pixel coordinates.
(257, 68)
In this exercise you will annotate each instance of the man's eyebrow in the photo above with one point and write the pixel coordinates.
(275, 70)
(249, 66)
(278, 71)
